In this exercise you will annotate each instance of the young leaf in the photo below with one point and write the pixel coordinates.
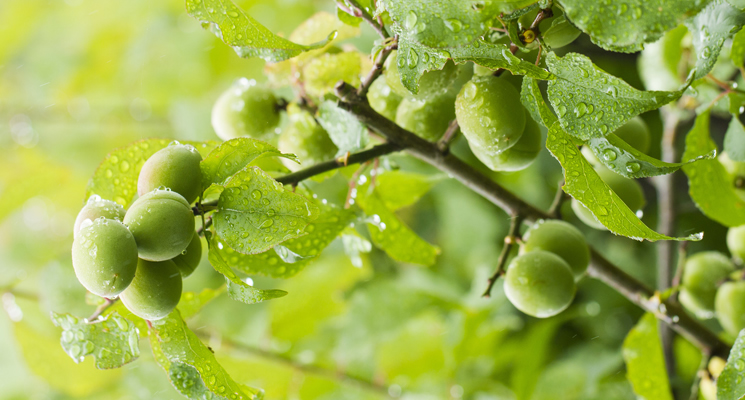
(625, 160)
(627, 25)
(237, 289)
(234, 155)
(191, 302)
(584, 184)
(532, 99)
(591, 103)
(294, 254)
(344, 129)
(398, 189)
(730, 384)
(256, 212)
(116, 177)
(734, 140)
(175, 347)
(737, 51)
(709, 29)
(709, 183)
(645, 363)
(112, 341)
(391, 235)
(243, 33)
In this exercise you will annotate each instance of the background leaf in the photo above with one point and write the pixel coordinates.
(398, 189)
(584, 184)
(112, 340)
(344, 129)
(709, 28)
(709, 183)
(737, 51)
(174, 343)
(645, 363)
(191, 303)
(256, 212)
(734, 140)
(244, 34)
(592, 103)
(626, 25)
(730, 384)
(234, 155)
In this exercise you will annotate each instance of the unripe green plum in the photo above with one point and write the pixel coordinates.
(730, 306)
(155, 290)
(246, 109)
(736, 241)
(431, 84)
(428, 119)
(736, 171)
(189, 259)
(634, 132)
(490, 114)
(540, 284)
(628, 190)
(305, 138)
(382, 99)
(561, 238)
(702, 274)
(560, 33)
(175, 167)
(162, 223)
(104, 256)
(517, 157)
(95, 208)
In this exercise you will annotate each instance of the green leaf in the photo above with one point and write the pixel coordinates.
(584, 184)
(289, 258)
(237, 289)
(321, 74)
(709, 29)
(391, 235)
(398, 189)
(709, 183)
(532, 99)
(344, 129)
(112, 340)
(627, 25)
(645, 363)
(625, 160)
(736, 102)
(659, 62)
(243, 33)
(591, 103)
(730, 384)
(255, 212)
(734, 140)
(354, 245)
(116, 177)
(191, 365)
(737, 51)
(234, 155)
(191, 303)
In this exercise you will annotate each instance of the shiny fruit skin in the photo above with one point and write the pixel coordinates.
(517, 157)
(561, 238)
(155, 290)
(382, 99)
(175, 167)
(245, 109)
(162, 223)
(188, 261)
(104, 256)
(540, 284)
(730, 306)
(701, 275)
(95, 208)
(305, 138)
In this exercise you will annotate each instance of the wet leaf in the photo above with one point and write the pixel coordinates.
(709, 29)
(645, 363)
(734, 140)
(532, 99)
(730, 384)
(344, 129)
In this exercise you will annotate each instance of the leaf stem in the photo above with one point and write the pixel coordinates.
(509, 242)
(369, 19)
(376, 70)
(103, 307)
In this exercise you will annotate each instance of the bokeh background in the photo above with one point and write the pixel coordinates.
(79, 78)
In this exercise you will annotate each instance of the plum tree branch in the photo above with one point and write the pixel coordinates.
(600, 268)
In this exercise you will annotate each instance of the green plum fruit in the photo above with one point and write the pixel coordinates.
(155, 290)
(246, 109)
(95, 208)
(305, 138)
(175, 167)
(517, 157)
(428, 119)
(540, 284)
(189, 259)
(104, 256)
(382, 99)
(730, 306)
(162, 223)
(702, 274)
(561, 238)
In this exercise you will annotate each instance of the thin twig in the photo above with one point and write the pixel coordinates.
(376, 70)
(555, 209)
(509, 242)
(205, 224)
(369, 19)
(353, 183)
(679, 270)
(444, 143)
(103, 307)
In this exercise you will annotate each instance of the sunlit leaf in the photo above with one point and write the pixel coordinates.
(344, 129)
(591, 103)
(584, 184)
(321, 74)
(709, 29)
(243, 33)
(191, 303)
(234, 155)
(256, 212)
(191, 366)
(625, 160)
(112, 340)
(627, 25)
(645, 363)
(709, 183)
(116, 177)
(730, 384)
(398, 189)
(532, 99)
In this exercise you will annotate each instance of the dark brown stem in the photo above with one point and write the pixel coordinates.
(376, 70)
(600, 268)
(509, 242)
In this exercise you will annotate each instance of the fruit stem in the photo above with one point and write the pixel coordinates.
(509, 242)
(450, 133)
(103, 307)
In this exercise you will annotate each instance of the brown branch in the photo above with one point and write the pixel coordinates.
(509, 242)
(376, 70)
(369, 19)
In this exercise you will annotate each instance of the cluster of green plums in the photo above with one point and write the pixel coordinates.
(142, 254)
(541, 280)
